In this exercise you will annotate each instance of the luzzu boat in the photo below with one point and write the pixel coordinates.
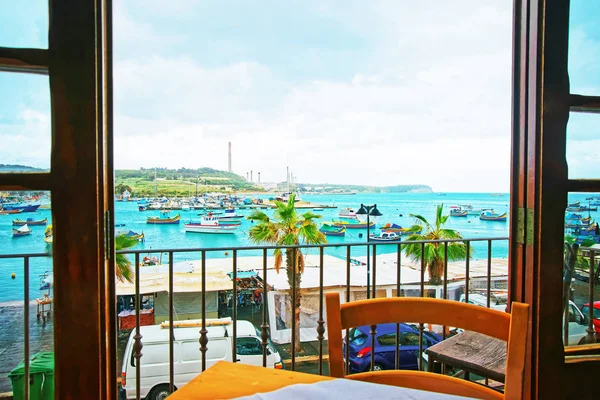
(29, 221)
(330, 230)
(163, 219)
(353, 225)
(458, 212)
(490, 215)
(22, 231)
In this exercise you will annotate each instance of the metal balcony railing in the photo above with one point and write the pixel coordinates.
(27, 257)
(484, 284)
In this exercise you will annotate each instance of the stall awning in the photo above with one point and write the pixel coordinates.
(243, 274)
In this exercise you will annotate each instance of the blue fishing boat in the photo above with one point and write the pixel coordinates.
(21, 207)
(490, 215)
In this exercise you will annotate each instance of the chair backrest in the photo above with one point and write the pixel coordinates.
(511, 328)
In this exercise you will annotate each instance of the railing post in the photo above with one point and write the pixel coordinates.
(320, 322)
(203, 332)
(137, 338)
(264, 328)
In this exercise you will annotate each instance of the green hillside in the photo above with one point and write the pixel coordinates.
(178, 182)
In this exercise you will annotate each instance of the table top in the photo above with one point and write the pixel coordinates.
(473, 351)
(226, 380)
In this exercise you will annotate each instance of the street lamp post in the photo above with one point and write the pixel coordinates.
(364, 214)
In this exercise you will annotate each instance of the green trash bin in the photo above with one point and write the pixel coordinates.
(41, 378)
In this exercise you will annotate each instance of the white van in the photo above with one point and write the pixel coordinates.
(187, 358)
(577, 321)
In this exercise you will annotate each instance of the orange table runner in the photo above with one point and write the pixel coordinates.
(226, 380)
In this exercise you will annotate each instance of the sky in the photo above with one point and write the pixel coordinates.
(350, 92)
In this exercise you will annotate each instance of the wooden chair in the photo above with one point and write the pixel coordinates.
(511, 328)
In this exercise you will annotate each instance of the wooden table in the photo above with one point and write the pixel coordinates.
(230, 380)
(226, 380)
(472, 352)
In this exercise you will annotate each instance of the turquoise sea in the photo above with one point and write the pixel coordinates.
(396, 208)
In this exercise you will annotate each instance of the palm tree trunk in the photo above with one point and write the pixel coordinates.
(436, 271)
(294, 282)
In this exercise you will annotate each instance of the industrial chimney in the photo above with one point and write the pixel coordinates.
(251, 176)
(259, 177)
(229, 159)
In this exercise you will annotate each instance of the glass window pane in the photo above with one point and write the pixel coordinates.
(583, 145)
(25, 228)
(581, 228)
(584, 47)
(24, 24)
(24, 123)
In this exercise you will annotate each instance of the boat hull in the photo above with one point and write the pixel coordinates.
(222, 229)
(21, 222)
(501, 217)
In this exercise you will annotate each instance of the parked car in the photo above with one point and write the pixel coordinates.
(154, 363)
(359, 352)
(586, 311)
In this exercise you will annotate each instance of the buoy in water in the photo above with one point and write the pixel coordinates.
(400, 215)
(13, 275)
(360, 235)
(226, 253)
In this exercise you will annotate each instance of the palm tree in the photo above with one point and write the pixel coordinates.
(123, 270)
(433, 253)
(288, 228)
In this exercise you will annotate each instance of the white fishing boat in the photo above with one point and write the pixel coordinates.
(209, 224)
(348, 213)
(385, 237)
(229, 215)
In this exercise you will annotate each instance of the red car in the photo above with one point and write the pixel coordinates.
(586, 311)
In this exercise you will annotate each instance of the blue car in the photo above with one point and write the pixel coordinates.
(359, 353)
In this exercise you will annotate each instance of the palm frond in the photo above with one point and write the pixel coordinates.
(278, 259)
(264, 233)
(309, 216)
(450, 234)
(422, 219)
(258, 215)
(311, 234)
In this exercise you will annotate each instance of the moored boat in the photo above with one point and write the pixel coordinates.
(353, 225)
(22, 231)
(29, 221)
(330, 230)
(163, 219)
(209, 224)
(5, 212)
(490, 215)
(458, 212)
(230, 214)
(21, 207)
(385, 236)
(348, 213)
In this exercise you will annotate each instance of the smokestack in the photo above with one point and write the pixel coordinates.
(229, 159)
(246, 176)
(251, 176)
(259, 177)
